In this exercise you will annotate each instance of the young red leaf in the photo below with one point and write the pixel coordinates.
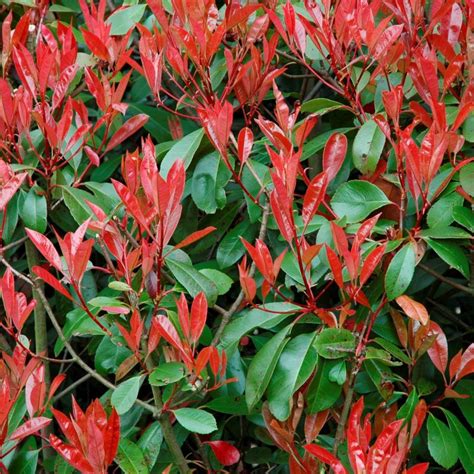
(334, 154)
(198, 316)
(413, 309)
(225, 453)
(438, 351)
(314, 196)
(126, 130)
(46, 248)
(370, 263)
(194, 237)
(326, 457)
(30, 427)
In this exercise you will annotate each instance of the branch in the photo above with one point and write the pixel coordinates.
(74, 355)
(458, 286)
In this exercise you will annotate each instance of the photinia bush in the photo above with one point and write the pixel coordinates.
(237, 236)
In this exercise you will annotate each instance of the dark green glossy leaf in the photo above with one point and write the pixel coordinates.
(441, 443)
(400, 271)
(334, 343)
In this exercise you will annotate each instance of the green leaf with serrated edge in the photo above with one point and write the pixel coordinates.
(34, 211)
(452, 254)
(466, 405)
(193, 280)
(320, 106)
(367, 147)
(255, 318)
(400, 271)
(196, 421)
(408, 408)
(262, 366)
(207, 186)
(298, 356)
(75, 200)
(466, 178)
(150, 443)
(167, 373)
(222, 281)
(338, 373)
(130, 458)
(465, 217)
(464, 440)
(441, 443)
(183, 149)
(124, 396)
(322, 393)
(396, 351)
(447, 232)
(125, 18)
(230, 248)
(334, 343)
(357, 199)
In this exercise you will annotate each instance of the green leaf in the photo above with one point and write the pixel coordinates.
(230, 249)
(150, 443)
(323, 393)
(441, 213)
(222, 281)
(357, 199)
(75, 200)
(446, 232)
(338, 373)
(125, 18)
(24, 462)
(441, 443)
(464, 440)
(294, 366)
(466, 405)
(110, 355)
(167, 373)
(262, 366)
(229, 405)
(130, 458)
(196, 421)
(468, 128)
(320, 106)
(452, 254)
(34, 211)
(255, 318)
(400, 271)
(193, 280)
(368, 146)
(464, 216)
(124, 396)
(208, 183)
(183, 149)
(466, 178)
(408, 408)
(334, 343)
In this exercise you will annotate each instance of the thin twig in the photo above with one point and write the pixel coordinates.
(458, 286)
(74, 355)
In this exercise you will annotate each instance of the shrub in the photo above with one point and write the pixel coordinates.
(238, 234)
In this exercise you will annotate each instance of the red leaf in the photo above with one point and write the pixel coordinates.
(225, 453)
(195, 236)
(370, 263)
(44, 245)
(245, 143)
(126, 130)
(413, 309)
(326, 457)
(420, 468)
(313, 197)
(334, 154)
(336, 266)
(466, 365)
(438, 351)
(112, 437)
(9, 189)
(198, 316)
(92, 155)
(30, 427)
(71, 455)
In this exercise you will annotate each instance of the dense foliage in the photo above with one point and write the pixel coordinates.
(237, 236)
